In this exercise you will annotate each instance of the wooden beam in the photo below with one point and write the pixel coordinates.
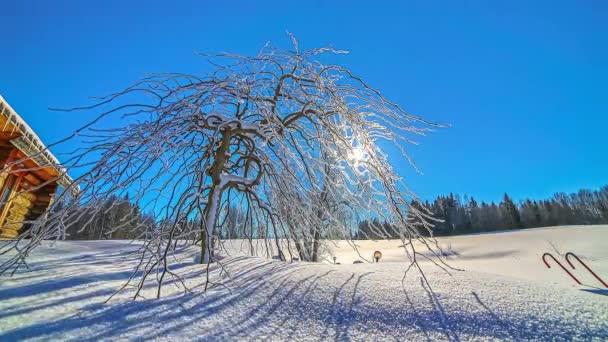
(32, 179)
(44, 198)
(6, 136)
(42, 173)
(9, 200)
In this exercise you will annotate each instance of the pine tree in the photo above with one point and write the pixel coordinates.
(510, 213)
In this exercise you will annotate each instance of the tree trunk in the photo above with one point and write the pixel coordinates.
(315, 246)
(215, 196)
(211, 211)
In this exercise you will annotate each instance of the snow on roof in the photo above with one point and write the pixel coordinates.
(30, 144)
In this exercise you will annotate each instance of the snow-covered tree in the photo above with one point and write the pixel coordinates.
(292, 142)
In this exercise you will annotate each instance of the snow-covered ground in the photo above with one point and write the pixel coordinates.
(505, 292)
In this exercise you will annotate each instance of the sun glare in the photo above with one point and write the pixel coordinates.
(358, 154)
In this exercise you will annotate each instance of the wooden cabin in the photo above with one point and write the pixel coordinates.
(29, 173)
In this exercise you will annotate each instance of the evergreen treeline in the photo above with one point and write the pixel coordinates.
(122, 219)
(466, 215)
(119, 219)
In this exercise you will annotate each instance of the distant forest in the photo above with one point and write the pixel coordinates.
(465, 215)
(122, 219)
(119, 219)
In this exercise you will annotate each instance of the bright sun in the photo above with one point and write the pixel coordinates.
(358, 154)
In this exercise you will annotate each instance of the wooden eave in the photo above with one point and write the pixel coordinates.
(36, 157)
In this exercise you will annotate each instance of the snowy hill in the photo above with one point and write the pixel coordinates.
(505, 292)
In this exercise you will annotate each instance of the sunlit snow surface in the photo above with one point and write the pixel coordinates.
(505, 293)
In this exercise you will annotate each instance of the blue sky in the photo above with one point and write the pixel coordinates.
(524, 84)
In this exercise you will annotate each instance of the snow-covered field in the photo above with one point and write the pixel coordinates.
(505, 292)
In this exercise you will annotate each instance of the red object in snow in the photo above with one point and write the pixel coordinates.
(560, 265)
(587, 267)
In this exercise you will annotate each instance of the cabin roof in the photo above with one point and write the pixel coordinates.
(29, 143)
